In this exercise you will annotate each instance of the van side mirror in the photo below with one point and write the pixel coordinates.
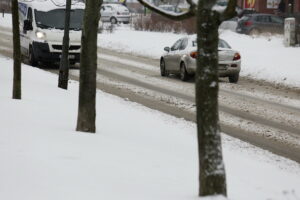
(167, 49)
(27, 25)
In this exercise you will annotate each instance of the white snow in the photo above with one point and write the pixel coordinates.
(136, 153)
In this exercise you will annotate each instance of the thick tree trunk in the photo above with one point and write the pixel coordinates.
(212, 177)
(88, 67)
(17, 51)
(64, 62)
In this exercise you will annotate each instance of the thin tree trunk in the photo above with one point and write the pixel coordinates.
(17, 51)
(64, 62)
(88, 67)
(212, 177)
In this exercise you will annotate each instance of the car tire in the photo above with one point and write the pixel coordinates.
(113, 20)
(183, 73)
(254, 32)
(163, 71)
(31, 58)
(233, 78)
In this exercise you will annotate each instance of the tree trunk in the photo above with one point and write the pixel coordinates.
(88, 68)
(64, 62)
(17, 51)
(212, 177)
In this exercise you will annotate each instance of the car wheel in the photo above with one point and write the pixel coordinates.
(254, 31)
(183, 73)
(163, 71)
(113, 20)
(31, 58)
(233, 78)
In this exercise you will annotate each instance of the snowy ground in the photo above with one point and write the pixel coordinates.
(150, 155)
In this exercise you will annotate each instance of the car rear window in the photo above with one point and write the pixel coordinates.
(222, 44)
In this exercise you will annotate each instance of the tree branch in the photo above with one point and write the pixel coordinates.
(229, 11)
(190, 13)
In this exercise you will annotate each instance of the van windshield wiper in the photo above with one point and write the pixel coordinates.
(44, 26)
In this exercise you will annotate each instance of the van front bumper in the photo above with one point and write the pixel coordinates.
(42, 53)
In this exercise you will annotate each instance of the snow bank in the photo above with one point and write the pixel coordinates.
(137, 153)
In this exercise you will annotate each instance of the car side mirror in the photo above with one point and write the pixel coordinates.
(167, 49)
(27, 25)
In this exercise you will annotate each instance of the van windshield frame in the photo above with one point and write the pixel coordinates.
(55, 19)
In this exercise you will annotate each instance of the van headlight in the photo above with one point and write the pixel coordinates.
(40, 35)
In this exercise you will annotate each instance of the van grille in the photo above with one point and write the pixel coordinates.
(72, 47)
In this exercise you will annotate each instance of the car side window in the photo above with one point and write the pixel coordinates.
(262, 19)
(176, 45)
(183, 44)
(277, 20)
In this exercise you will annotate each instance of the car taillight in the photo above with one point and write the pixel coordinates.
(247, 23)
(194, 54)
(118, 13)
(236, 56)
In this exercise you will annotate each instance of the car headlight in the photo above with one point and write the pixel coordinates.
(40, 35)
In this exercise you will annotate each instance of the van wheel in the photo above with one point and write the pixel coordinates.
(113, 20)
(32, 61)
(183, 73)
(233, 78)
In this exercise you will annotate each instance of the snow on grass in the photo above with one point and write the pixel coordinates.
(137, 153)
(5, 21)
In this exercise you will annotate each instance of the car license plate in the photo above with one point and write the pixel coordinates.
(222, 67)
(70, 56)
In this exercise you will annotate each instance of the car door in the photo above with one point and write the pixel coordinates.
(174, 56)
(262, 22)
(105, 13)
(25, 36)
(277, 24)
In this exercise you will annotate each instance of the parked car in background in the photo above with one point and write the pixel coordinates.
(257, 23)
(114, 13)
(170, 8)
(181, 59)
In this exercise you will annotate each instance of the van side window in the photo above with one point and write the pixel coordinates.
(29, 14)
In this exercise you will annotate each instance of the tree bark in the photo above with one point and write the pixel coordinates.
(17, 51)
(212, 177)
(64, 62)
(88, 67)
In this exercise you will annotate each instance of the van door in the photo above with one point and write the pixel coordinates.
(25, 35)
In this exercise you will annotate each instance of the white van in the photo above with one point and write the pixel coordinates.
(114, 13)
(42, 30)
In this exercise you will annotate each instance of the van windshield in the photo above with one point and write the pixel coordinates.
(56, 19)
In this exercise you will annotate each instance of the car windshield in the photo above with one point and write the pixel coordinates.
(55, 19)
(222, 44)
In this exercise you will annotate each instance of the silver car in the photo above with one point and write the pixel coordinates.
(114, 13)
(181, 59)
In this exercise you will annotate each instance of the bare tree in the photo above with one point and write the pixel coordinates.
(17, 51)
(212, 176)
(88, 68)
(64, 62)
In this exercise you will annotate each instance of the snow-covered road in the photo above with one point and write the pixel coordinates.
(260, 113)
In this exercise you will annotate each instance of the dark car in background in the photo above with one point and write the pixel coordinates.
(257, 23)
